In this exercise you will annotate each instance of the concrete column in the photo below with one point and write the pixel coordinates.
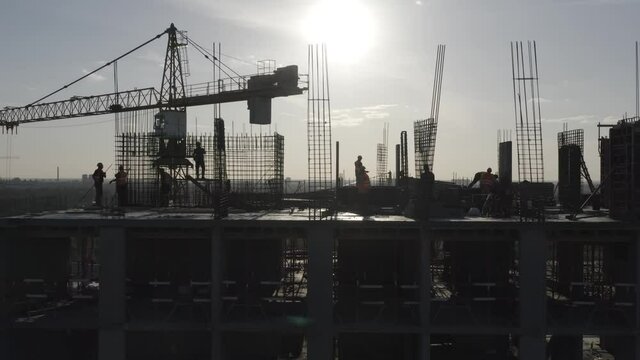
(111, 344)
(425, 293)
(533, 306)
(112, 306)
(320, 237)
(216, 296)
(5, 236)
(636, 345)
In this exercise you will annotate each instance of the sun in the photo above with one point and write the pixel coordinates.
(346, 26)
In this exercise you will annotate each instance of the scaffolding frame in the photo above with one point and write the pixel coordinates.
(382, 156)
(140, 150)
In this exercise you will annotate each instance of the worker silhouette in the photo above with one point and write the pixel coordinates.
(166, 184)
(360, 170)
(121, 181)
(198, 157)
(487, 181)
(427, 180)
(489, 187)
(363, 185)
(98, 178)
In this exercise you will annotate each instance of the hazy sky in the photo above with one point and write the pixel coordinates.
(381, 63)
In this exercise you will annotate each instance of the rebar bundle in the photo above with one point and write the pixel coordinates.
(526, 99)
(425, 130)
(319, 134)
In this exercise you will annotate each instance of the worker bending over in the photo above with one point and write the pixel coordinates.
(487, 181)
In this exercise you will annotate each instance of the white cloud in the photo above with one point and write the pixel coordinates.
(351, 117)
(345, 120)
(152, 57)
(540, 100)
(582, 119)
(94, 77)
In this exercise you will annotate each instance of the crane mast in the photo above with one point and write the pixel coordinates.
(172, 87)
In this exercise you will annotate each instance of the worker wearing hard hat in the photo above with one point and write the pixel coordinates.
(98, 178)
(121, 185)
(198, 157)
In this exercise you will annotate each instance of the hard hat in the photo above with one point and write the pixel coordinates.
(99, 165)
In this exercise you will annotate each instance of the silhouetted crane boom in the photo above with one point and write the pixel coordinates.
(140, 99)
(81, 106)
(257, 90)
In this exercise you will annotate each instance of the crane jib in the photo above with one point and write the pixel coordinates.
(258, 90)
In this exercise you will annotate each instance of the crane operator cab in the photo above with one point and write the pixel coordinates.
(283, 79)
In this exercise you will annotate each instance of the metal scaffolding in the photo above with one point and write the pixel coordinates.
(145, 153)
(382, 155)
(526, 100)
(138, 153)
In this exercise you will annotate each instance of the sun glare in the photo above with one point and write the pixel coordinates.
(346, 26)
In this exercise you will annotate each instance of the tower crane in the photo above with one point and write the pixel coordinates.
(171, 101)
(257, 90)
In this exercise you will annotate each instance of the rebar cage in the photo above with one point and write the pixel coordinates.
(255, 168)
(424, 132)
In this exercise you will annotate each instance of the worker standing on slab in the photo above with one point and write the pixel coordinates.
(362, 179)
(487, 181)
(121, 186)
(166, 183)
(427, 180)
(98, 179)
(198, 157)
(359, 169)
(362, 185)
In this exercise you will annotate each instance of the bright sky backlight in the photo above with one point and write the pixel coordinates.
(346, 26)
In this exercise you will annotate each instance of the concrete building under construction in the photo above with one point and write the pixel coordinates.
(233, 267)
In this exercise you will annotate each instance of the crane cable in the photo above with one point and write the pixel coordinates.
(100, 68)
(209, 56)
